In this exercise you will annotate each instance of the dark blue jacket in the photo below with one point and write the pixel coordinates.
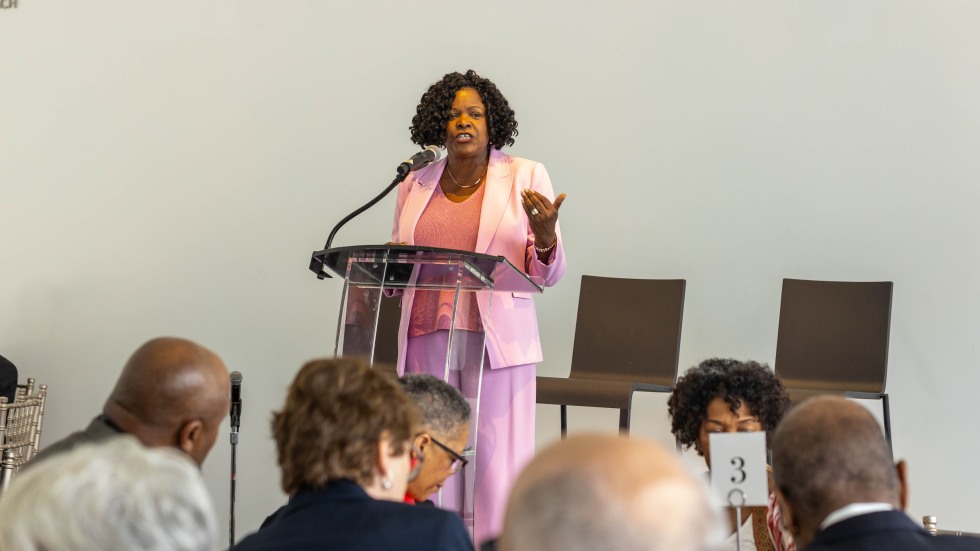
(342, 516)
(887, 530)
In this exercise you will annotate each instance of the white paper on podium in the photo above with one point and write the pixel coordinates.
(738, 468)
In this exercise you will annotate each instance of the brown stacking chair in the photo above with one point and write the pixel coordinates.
(627, 339)
(20, 430)
(386, 338)
(833, 339)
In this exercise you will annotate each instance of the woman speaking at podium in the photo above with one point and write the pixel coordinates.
(482, 200)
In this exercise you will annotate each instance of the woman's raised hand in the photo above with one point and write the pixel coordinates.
(542, 215)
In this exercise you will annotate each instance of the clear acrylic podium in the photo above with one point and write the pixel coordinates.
(373, 271)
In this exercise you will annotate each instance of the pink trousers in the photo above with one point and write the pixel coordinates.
(505, 428)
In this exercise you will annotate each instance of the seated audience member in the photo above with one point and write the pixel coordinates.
(838, 487)
(595, 491)
(116, 495)
(8, 380)
(725, 395)
(172, 392)
(343, 439)
(442, 434)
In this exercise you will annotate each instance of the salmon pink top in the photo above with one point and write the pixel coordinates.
(451, 226)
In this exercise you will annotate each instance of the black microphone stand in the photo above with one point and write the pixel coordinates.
(236, 413)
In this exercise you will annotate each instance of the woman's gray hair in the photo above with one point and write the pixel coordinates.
(444, 410)
(110, 495)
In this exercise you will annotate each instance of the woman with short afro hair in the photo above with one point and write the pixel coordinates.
(726, 395)
(432, 114)
(482, 200)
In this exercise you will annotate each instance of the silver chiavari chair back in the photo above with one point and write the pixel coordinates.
(20, 429)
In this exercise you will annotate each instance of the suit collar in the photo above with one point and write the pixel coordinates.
(867, 525)
(106, 425)
(853, 510)
(419, 194)
(337, 491)
(495, 199)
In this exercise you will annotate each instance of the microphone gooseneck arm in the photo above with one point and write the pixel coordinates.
(398, 179)
(423, 158)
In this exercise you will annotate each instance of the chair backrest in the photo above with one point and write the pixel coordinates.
(20, 431)
(24, 390)
(833, 335)
(386, 337)
(628, 329)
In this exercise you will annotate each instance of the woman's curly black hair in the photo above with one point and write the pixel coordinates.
(432, 114)
(735, 382)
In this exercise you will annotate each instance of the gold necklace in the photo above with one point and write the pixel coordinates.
(474, 184)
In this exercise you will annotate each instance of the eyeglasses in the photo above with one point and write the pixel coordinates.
(418, 458)
(458, 460)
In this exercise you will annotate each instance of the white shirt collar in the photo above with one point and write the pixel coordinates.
(853, 510)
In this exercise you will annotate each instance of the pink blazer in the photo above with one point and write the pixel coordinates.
(512, 332)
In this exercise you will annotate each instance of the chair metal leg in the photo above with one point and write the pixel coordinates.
(886, 413)
(624, 421)
(6, 470)
(564, 421)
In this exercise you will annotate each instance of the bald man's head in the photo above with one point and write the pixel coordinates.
(830, 452)
(608, 492)
(172, 392)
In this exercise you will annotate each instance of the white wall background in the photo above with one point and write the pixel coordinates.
(167, 167)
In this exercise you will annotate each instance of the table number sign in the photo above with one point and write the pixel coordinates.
(738, 468)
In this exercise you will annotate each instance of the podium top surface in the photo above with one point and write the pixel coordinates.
(407, 266)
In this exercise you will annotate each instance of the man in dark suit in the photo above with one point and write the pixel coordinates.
(837, 485)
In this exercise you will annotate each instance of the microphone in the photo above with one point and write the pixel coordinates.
(422, 158)
(236, 417)
(236, 399)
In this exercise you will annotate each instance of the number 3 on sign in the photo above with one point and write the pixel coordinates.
(738, 468)
(740, 475)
